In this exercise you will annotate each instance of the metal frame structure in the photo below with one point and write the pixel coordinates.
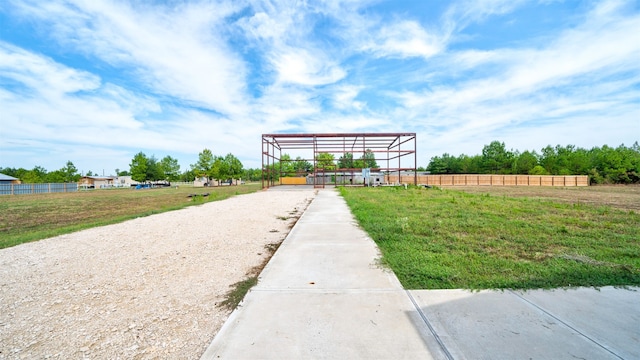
(386, 147)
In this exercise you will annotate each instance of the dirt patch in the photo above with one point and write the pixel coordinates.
(624, 197)
(143, 289)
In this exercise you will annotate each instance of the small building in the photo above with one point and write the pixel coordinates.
(96, 182)
(125, 181)
(6, 179)
(201, 181)
(346, 178)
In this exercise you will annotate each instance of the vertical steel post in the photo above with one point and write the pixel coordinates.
(415, 161)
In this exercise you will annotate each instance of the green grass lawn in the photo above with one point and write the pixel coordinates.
(25, 218)
(443, 239)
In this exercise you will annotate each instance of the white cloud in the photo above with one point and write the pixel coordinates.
(405, 39)
(262, 26)
(348, 124)
(48, 93)
(283, 33)
(58, 112)
(344, 97)
(581, 62)
(282, 107)
(179, 51)
(41, 74)
(465, 12)
(300, 66)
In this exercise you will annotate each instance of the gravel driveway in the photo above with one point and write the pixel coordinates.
(144, 289)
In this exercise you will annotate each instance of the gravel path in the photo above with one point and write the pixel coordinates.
(143, 289)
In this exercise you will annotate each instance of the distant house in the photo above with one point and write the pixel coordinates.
(96, 182)
(125, 181)
(6, 179)
(201, 181)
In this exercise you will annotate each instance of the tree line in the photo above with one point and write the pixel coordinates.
(288, 167)
(218, 168)
(66, 174)
(144, 168)
(604, 165)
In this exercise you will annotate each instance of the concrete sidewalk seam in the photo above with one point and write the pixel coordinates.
(428, 323)
(328, 291)
(566, 324)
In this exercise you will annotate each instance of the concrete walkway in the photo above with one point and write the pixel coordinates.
(323, 296)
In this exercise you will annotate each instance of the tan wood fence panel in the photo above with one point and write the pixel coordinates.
(491, 180)
(293, 181)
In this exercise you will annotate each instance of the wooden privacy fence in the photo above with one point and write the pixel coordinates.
(18, 189)
(493, 180)
(293, 181)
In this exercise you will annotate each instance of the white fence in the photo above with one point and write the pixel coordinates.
(19, 189)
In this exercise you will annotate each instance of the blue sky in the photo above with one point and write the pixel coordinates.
(96, 82)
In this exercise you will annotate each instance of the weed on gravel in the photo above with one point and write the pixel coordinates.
(240, 289)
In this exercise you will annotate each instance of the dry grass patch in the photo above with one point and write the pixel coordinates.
(25, 218)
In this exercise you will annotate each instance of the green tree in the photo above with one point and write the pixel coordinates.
(603, 165)
(233, 166)
(37, 175)
(272, 171)
(579, 163)
(218, 170)
(170, 168)
(446, 164)
(139, 167)
(369, 159)
(538, 170)
(325, 161)
(253, 174)
(496, 159)
(204, 164)
(56, 176)
(16, 173)
(8, 171)
(632, 156)
(154, 170)
(470, 164)
(70, 173)
(301, 166)
(619, 165)
(286, 166)
(188, 176)
(346, 161)
(524, 162)
(549, 160)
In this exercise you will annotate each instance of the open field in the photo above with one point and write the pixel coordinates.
(504, 237)
(25, 218)
(624, 197)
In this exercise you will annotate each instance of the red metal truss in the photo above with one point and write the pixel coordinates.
(392, 151)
